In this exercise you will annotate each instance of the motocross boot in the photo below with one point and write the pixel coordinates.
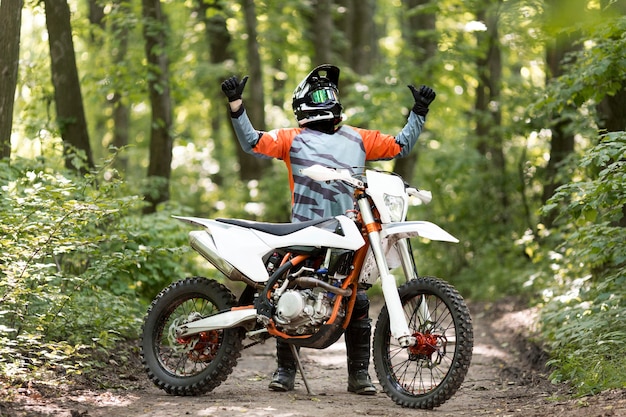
(284, 377)
(357, 336)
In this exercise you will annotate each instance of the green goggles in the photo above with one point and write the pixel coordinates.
(323, 95)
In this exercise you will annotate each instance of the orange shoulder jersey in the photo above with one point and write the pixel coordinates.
(348, 148)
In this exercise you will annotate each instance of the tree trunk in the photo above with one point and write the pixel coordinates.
(489, 65)
(420, 35)
(121, 111)
(612, 112)
(419, 30)
(357, 25)
(161, 141)
(252, 167)
(364, 38)
(218, 40)
(488, 102)
(67, 95)
(96, 17)
(278, 83)
(345, 23)
(562, 141)
(322, 23)
(612, 109)
(10, 24)
(121, 125)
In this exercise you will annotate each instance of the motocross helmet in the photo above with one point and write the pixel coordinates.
(317, 97)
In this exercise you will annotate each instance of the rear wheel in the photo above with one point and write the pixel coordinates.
(429, 373)
(195, 364)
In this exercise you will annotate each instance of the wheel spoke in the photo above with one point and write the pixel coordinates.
(412, 376)
(185, 357)
(189, 365)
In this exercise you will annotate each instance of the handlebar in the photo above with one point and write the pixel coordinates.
(423, 195)
(322, 173)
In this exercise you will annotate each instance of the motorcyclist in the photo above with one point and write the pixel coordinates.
(320, 139)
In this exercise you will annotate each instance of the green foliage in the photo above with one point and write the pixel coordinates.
(583, 317)
(580, 263)
(78, 265)
(587, 335)
(596, 70)
(79, 261)
(592, 208)
(485, 210)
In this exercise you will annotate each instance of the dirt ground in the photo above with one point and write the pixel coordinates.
(507, 378)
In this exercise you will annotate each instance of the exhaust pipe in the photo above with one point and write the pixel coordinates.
(310, 282)
(202, 242)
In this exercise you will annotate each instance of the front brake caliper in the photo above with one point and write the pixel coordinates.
(426, 345)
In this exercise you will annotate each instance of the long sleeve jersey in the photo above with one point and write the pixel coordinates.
(347, 148)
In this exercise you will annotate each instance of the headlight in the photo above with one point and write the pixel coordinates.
(395, 206)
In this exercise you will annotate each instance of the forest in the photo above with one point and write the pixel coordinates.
(112, 120)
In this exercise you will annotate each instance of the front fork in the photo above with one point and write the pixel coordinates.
(406, 257)
(397, 320)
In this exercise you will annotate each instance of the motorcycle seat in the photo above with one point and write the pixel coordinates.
(277, 229)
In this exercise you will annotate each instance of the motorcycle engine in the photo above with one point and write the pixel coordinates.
(299, 312)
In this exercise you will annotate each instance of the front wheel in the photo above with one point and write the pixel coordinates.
(194, 364)
(429, 373)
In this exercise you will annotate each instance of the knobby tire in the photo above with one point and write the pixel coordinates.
(428, 378)
(197, 364)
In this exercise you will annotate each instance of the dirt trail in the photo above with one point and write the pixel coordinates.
(506, 378)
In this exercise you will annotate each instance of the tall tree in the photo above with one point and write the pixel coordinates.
(489, 101)
(67, 93)
(96, 16)
(278, 82)
(612, 108)
(250, 166)
(559, 14)
(345, 23)
(322, 28)
(121, 110)
(218, 39)
(420, 37)
(419, 19)
(287, 19)
(359, 30)
(364, 51)
(161, 140)
(10, 25)
(612, 112)
(219, 49)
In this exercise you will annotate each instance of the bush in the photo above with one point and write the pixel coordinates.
(78, 264)
(585, 302)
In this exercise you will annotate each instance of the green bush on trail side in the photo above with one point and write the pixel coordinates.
(584, 293)
(78, 263)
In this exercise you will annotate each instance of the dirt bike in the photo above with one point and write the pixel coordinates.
(301, 281)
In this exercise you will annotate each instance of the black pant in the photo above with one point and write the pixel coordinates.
(357, 337)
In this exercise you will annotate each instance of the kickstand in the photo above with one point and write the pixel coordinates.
(294, 351)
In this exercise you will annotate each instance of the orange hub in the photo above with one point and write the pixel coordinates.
(426, 344)
(205, 347)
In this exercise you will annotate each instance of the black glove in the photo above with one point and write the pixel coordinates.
(232, 88)
(423, 97)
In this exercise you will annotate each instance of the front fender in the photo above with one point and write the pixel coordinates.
(423, 229)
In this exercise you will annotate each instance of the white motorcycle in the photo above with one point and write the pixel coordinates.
(301, 284)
